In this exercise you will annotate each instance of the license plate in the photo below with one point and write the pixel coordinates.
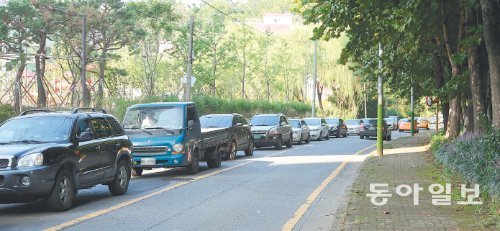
(148, 161)
(372, 128)
(258, 137)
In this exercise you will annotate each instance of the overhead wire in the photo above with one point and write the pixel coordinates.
(253, 28)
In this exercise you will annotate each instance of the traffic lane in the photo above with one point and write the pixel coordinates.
(262, 195)
(33, 216)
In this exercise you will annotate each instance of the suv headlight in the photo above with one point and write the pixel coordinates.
(34, 159)
(273, 131)
(178, 147)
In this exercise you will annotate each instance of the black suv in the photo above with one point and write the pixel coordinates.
(45, 154)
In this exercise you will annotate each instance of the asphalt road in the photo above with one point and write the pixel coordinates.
(292, 188)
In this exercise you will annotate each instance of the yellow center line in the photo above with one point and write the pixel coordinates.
(160, 191)
(312, 197)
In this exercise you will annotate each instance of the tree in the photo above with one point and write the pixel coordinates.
(111, 28)
(491, 32)
(16, 37)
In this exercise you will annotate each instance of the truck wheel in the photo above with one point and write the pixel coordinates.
(290, 141)
(249, 150)
(215, 163)
(137, 172)
(233, 149)
(122, 177)
(63, 193)
(194, 167)
(279, 144)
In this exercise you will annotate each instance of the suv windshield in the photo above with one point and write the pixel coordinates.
(36, 129)
(216, 121)
(265, 121)
(313, 121)
(332, 121)
(170, 117)
(294, 123)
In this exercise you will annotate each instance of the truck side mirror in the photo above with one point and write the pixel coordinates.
(190, 123)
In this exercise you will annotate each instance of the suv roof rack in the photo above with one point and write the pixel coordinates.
(34, 111)
(80, 109)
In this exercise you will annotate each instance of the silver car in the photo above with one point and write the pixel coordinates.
(300, 131)
(318, 128)
(353, 126)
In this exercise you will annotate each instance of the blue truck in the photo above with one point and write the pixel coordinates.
(168, 134)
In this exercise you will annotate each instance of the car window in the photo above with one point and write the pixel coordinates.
(115, 125)
(101, 128)
(191, 114)
(323, 121)
(209, 121)
(353, 122)
(83, 126)
(282, 119)
(265, 121)
(341, 121)
(303, 123)
(295, 123)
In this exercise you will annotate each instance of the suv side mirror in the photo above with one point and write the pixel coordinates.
(238, 125)
(283, 123)
(86, 136)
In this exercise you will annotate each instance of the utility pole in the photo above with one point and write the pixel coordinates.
(412, 112)
(364, 91)
(187, 93)
(244, 62)
(380, 128)
(315, 78)
(85, 92)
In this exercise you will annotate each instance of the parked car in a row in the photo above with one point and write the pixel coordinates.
(337, 127)
(238, 128)
(271, 130)
(405, 125)
(353, 126)
(369, 128)
(300, 131)
(51, 155)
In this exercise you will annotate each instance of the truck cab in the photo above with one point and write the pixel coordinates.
(168, 134)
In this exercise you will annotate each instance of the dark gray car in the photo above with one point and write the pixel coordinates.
(238, 128)
(369, 128)
(271, 130)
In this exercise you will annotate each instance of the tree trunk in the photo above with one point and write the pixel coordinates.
(100, 89)
(491, 32)
(320, 94)
(214, 69)
(452, 43)
(17, 87)
(40, 72)
(439, 81)
(474, 103)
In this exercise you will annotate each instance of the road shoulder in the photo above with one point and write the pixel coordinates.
(405, 161)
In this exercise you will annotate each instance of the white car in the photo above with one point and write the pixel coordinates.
(318, 128)
(353, 126)
(300, 131)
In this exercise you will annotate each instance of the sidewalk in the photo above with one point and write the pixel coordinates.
(405, 161)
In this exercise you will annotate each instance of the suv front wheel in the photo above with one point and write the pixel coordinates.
(63, 193)
(122, 178)
(279, 144)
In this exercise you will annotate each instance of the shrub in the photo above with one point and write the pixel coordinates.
(211, 105)
(6, 112)
(475, 158)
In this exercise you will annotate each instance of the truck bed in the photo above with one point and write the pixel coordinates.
(213, 137)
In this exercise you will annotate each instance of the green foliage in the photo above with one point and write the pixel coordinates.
(211, 105)
(475, 158)
(6, 112)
